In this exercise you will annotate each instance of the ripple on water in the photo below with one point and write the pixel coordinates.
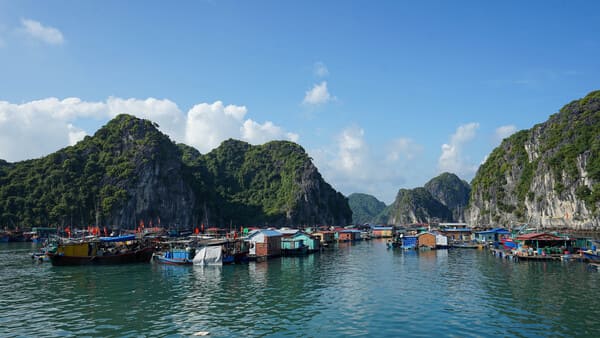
(355, 290)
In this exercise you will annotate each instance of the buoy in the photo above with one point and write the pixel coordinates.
(202, 333)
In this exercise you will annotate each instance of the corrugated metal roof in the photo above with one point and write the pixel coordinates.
(539, 236)
(494, 231)
(456, 230)
(271, 233)
(382, 228)
(288, 231)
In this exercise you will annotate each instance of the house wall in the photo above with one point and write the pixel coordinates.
(273, 246)
(382, 233)
(345, 236)
(427, 240)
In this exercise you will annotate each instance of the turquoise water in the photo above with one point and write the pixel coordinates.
(363, 289)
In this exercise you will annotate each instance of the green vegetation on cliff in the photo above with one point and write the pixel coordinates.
(452, 192)
(416, 206)
(129, 171)
(365, 208)
(566, 147)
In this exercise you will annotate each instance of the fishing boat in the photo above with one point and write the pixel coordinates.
(591, 255)
(176, 253)
(102, 251)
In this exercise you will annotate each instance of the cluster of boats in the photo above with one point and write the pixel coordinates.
(136, 248)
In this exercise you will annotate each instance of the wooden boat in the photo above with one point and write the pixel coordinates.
(102, 251)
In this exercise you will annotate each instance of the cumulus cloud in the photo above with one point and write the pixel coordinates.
(75, 134)
(209, 124)
(403, 148)
(39, 127)
(318, 94)
(351, 164)
(452, 158)
(353, 151)
(503, 132)
(164, 112)
(320, 70)
(46, 34)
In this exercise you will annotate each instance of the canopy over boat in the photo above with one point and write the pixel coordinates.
(123, 238)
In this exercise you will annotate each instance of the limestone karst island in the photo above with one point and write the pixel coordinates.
(299, 169)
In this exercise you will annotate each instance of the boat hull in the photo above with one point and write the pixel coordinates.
(139, 256)
(594, 258)
(172, 261)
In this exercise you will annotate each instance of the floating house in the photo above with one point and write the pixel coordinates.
(325, 236)
(457, 234)
(349, 235)
(426, 240)
(264, 243)
(548, 243)
(493, 235)
(381, 232)
(441, 241)
(409, 242)
(300, 243)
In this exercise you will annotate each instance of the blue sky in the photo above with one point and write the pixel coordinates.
(382, 95)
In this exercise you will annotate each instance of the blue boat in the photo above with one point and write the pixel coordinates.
(591, 256)
(177, 253)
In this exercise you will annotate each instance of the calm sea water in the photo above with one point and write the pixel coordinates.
(363, 289)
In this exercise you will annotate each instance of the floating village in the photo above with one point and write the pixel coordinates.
(218, 246)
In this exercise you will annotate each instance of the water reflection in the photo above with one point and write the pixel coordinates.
(353, 290)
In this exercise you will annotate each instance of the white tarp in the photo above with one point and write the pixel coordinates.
(209, 255)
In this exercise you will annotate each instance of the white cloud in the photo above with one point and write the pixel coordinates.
(353, 151)
(350, 164)
(39, 127)
(318, 94)
(164, 112)
(452, 158)
(320, 70)
(75, 134)
(403, 148)
(47, 34)
(257, 133)
(503, 132)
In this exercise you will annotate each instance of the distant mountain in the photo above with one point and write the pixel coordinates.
(365, 208)
(546, 176)
(415, 206)
(130, 172)
(452, 192)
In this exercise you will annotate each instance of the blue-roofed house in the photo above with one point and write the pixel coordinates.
(493, 235)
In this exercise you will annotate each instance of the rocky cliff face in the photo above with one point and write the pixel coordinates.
(452, 192)
(275, 183)
(130, 172)
(416, 206)
(546, 176)
(365, 208)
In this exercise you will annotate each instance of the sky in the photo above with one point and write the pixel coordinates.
(382, 95)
